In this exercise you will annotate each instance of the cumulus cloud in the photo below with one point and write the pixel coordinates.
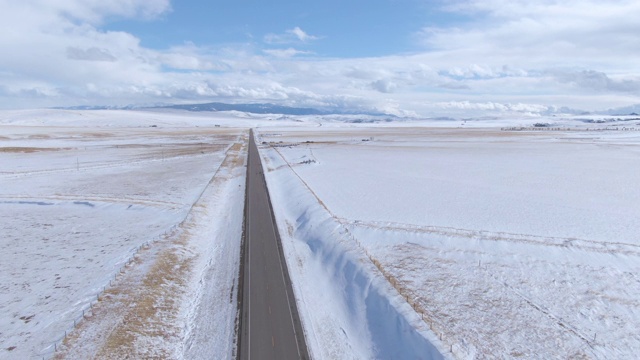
(475, 71)
(540, 33)
(500, 107)
(505, 56)
(596, 80)
(384, 86)
(55, 44)
(513, 49)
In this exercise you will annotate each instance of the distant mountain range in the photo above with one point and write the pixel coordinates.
(97, 107)
(264, 108)
(627, 110)
(249, 108)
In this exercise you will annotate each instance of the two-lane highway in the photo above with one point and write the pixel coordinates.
(270, 326)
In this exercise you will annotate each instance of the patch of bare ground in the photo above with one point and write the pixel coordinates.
(227, 135)
(151, 318)
(457, 134)
(97, 134)
(172, 150)
(175, 150)
(39, 136)
(19, 149)
(236, 159)
(137, 316)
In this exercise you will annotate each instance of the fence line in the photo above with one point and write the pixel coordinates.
(87, 310)
(552, 128)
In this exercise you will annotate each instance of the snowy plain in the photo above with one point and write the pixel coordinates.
(503, 239)
(93, 204)
(405, 239)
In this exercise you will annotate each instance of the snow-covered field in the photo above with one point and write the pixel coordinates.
(120, 234)
(92, 201)
(489, 243)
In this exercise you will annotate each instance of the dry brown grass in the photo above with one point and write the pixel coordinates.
(407, 133)
(152, 311)
(236, 156)
(410, 297)
(19, 149)
(39, 136)
(98, 134)
(236, 147)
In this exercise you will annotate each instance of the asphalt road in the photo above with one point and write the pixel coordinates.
(270, 326)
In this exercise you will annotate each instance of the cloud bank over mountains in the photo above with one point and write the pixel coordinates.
(498, 56)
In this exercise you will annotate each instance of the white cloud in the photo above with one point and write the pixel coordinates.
(285, 53)
(191, 57)
(384, 86)
(598, 81)
(301, 35)
(291, 36)
(90, 54)
(492, 106)
(513, 56)
(43, 42)
(95, 11)
(583, 33)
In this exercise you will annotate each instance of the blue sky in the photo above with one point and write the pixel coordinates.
(405, 57)
(344, 28)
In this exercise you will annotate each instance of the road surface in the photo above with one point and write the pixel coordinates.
(269, 326)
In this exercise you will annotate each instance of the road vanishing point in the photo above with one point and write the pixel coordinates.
(269, 322)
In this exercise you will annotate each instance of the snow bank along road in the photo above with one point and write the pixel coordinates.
(270, 325)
